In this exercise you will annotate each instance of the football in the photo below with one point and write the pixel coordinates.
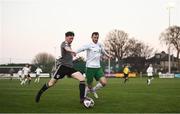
(88, 102)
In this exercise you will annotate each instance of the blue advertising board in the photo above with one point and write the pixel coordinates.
(177, 75)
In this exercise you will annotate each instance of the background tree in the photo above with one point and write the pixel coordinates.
(172, 36)
(148, 51)
(133, 48)
(137, 48)
(45, 61)
(115, 43)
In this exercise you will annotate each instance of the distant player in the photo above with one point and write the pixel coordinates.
(94, 51)
(65, 68)
(11, 72)
(149, 74)
(38, 72)
(26, 73)
(126, 73)
(20, 73)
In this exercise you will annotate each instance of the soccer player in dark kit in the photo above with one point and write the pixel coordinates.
(65, 68)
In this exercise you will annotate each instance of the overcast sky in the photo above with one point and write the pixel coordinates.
(32, 26)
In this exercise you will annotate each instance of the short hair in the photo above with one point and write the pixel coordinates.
(69, 33)
(94, 33)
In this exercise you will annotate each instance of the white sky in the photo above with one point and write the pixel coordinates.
(32, 26)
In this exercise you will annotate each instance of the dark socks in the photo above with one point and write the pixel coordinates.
(125, 80)
(82, 89)
(44, 88)
(29, 81)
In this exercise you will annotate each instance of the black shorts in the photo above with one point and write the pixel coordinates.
(125, 75)
(27, 76)
(62, 70)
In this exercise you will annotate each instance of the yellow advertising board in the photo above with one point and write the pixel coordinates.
(120, 75)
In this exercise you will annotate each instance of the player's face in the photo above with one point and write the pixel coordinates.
(69, 39)
(95, 38)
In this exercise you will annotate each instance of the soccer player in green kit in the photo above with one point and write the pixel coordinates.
(94, 51)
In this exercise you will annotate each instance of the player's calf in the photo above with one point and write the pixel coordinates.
(82, 90)
(40, 92)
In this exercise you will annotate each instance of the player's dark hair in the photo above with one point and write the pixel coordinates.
(69, 33)
(94, 33)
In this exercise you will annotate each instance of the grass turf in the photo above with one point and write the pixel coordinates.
(134, 96)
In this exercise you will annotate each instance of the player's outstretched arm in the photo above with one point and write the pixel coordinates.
(70, 50)
(83, 48)
(104, 52)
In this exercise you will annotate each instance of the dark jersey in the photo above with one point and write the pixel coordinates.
(67, 58)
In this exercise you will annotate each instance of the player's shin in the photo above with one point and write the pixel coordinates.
(22, 82)
(82, 89)
(38, 79)
(44, 87)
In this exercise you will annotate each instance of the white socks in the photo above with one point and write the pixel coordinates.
(87, 90)
(94, 89)
(37, 80)
(23, 81)
(97, 87)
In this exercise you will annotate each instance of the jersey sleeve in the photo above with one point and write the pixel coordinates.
(103, 50)
(83, 48)
(64, 44)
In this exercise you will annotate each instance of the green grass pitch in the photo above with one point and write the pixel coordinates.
(134, 96)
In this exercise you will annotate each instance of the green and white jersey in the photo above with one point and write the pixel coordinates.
(20, 72)
(93, 54)
(26, 70)
(149, 71)
(38, 71)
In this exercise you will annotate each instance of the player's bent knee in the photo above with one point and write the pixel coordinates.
(51, 83)
(78, 76)
(103, 81)
(82, 79)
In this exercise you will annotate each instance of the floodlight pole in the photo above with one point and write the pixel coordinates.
(169, 56)
(109, 64)
(169, 7)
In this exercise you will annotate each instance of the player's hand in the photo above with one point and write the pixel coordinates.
(76, 58)
(74, 54)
